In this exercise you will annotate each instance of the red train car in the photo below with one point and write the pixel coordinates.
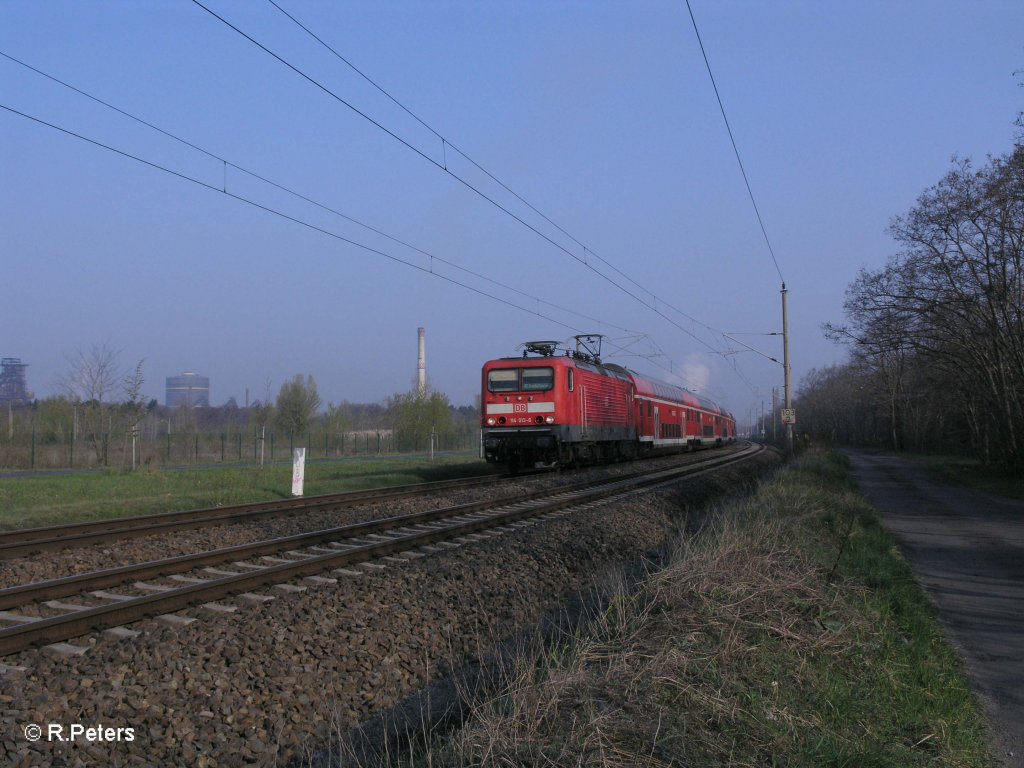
(670, 416)
(550, 409)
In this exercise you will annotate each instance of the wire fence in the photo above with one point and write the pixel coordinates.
(144, 448)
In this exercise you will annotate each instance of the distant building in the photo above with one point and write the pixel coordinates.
(189, 389)
(13, 385)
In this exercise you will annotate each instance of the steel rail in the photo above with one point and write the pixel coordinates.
(26, 541)
(69, 585)
(62, 587)
(48, 630)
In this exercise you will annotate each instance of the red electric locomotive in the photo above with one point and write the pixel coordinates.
(549, 409)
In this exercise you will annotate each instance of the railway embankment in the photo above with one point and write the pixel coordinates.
(787, 631)
(783, 629)
(267, 680)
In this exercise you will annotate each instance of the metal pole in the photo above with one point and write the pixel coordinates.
(786, 367)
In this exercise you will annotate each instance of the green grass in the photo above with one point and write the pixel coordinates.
(866, 667)
(53, 499)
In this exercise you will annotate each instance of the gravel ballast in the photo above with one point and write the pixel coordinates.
(58, 564)
(276, 679)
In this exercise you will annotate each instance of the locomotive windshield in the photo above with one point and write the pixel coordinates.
(521, 379)
(538, 379)
(503, 380)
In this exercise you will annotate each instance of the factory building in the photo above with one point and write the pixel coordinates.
(188, 389)
(13, 385)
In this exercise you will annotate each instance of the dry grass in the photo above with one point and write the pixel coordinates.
(743, 651)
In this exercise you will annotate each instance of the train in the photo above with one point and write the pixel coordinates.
(556, 406)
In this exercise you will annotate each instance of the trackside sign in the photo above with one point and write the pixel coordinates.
(298, 471)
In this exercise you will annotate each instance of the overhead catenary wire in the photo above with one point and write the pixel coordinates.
(228, 163)
(732, 139)
(446, 142)
(274, 211)
(294, 219)
(443, 167)
(750, 193)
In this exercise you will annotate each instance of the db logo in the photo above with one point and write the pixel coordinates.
(519, 407)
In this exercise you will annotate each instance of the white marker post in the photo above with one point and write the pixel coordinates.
(298, 471)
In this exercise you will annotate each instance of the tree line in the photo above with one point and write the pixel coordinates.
(936, 336)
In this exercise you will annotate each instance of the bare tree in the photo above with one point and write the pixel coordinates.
(90, 384)
(133, 408)
(964, 264)
(949, 308)
(878, 332)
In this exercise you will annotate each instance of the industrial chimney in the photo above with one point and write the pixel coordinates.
(422, 362)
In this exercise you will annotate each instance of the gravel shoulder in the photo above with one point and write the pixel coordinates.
(966, 548)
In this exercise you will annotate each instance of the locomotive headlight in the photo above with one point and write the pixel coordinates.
(491, 421)
(550, 419)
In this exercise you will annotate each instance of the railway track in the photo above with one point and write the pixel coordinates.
(307, 555)
(27, 541)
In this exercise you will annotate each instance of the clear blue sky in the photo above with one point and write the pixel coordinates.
(601, 115)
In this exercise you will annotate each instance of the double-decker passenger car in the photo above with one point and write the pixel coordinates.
(550, 409)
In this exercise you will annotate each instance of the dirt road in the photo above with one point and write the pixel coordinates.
(966, 548)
